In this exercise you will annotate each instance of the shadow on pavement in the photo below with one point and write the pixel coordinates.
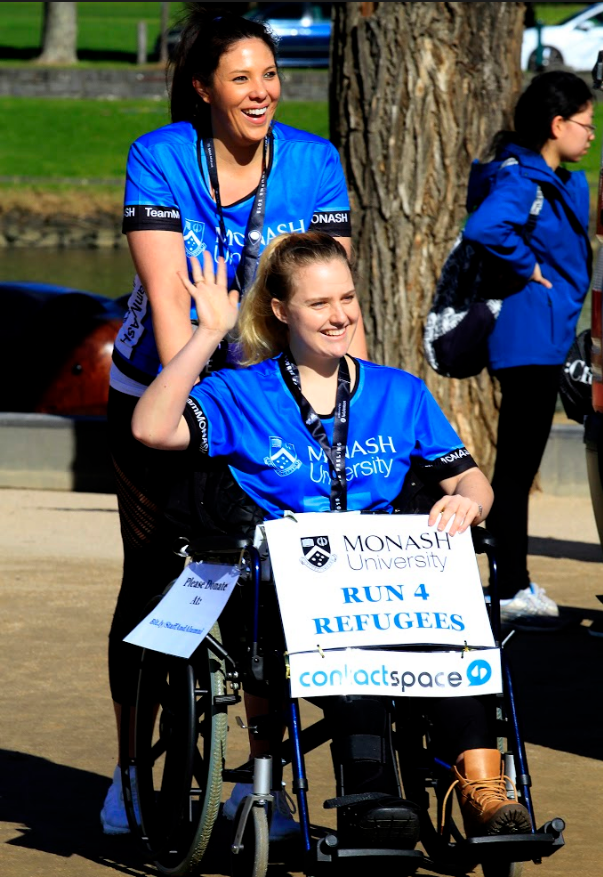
(588, 552)
(55, 809)
(557, 681)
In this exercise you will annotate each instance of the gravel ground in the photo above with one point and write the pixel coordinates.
(59, 577)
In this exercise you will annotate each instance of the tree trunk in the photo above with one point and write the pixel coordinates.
(59, 34)
(417, 92)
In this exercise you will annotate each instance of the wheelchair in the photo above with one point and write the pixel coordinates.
(174, 757)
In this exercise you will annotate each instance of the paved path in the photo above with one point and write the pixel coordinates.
(59, 574)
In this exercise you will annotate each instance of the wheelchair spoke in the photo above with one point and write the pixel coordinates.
(179, 756)
(158, 749)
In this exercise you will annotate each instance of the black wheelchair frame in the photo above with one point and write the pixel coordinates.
(174, 756)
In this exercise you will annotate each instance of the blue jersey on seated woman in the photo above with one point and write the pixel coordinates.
(250, 417)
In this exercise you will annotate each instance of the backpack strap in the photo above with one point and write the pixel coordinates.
(536, 205)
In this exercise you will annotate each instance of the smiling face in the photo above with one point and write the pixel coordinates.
(571, 137)
(244, 93)
(322, 314)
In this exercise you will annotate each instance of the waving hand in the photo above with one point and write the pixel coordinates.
(217, 308)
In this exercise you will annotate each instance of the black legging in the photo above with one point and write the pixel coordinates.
(144, 480)
(529, 394)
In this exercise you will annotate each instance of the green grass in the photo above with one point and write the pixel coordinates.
(81, 138)
(555, 13)
(104, 29)
(108, 30)
(55, 138)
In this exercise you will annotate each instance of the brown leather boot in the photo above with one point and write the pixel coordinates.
(482, 795)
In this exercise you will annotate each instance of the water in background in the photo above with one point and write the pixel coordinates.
(105, 272)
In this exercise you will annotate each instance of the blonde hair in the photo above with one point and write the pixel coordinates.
(259, 332)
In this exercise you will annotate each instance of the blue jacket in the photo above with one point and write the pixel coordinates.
(536, 326)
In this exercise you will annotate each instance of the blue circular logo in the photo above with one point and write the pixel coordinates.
(479, 672)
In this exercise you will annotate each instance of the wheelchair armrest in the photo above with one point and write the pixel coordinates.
(483, 541)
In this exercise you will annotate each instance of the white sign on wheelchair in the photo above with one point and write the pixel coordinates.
(184, 617)
(396, 673)
(349, 580)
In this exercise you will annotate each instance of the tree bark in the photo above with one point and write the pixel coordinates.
(417, 91)
(59, 34)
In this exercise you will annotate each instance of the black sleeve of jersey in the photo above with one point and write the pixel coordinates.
(335, 223)
(197, 424)
(149, 217)
(454, 463)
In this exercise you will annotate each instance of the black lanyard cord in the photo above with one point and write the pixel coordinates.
(335, 452)
(255, 224)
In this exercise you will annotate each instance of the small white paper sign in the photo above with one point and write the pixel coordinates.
(348, 580)
(183, 618)
(396, 674)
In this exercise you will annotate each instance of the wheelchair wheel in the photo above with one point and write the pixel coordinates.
(179, 755)
(252, 860)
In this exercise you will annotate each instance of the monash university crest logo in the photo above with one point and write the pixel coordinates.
(317, 553)
(282, 457)
(193, 237)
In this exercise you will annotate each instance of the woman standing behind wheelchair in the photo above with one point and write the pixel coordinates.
(536, 326)
(222, 179)
(296, 326)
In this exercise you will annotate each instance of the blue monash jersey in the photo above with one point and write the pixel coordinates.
(167, 189)
(249, 418)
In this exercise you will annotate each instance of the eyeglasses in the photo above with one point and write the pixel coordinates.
(590, 128)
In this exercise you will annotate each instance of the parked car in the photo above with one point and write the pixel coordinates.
(574, 43)
(302, 30)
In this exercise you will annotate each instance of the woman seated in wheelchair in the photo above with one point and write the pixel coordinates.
(300, 398)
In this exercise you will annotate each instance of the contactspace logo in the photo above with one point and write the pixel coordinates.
(414, 674)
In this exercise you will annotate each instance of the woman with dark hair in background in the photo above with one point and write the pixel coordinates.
(223, 179)
(536, 326)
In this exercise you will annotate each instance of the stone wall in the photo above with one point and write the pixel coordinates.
(28, 229)
(136, 83)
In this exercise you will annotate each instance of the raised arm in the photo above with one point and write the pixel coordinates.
(158, 421)
(466, 502)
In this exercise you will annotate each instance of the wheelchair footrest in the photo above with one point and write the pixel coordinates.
(327, 852)
(517, 847)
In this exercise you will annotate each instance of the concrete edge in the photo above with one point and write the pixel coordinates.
(48, 452)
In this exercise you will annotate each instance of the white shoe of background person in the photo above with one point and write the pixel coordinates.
(282, 827)
(530, 609)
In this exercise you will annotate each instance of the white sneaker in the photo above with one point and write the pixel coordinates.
(282, 826)
(113, 815)
(530, 609)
